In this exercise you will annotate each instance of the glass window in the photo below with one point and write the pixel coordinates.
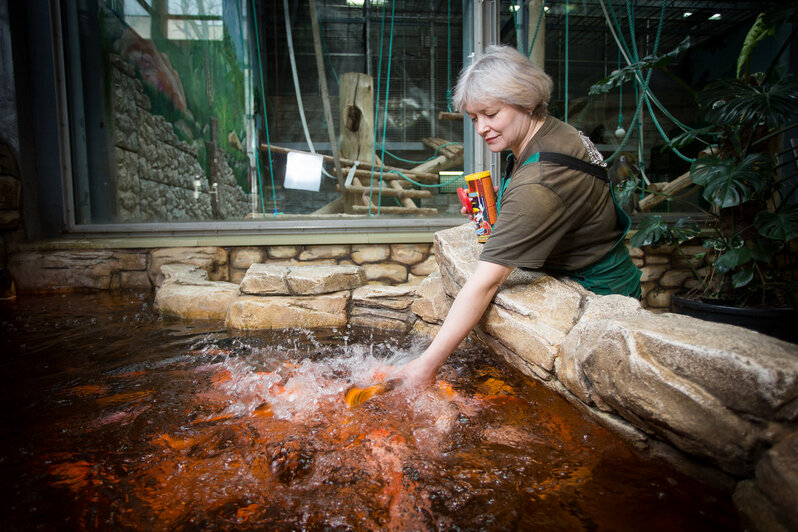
(205, 110)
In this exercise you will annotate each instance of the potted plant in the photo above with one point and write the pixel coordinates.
(750, 236)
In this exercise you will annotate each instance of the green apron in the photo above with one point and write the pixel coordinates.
(614, 273)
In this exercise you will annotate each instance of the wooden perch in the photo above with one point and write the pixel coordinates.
(391, 192)
(668, 189)
(449, 149)
(449, 155)
(362, 209)
(425, 177)
(445, 115)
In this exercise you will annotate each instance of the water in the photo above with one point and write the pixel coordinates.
(116, 419)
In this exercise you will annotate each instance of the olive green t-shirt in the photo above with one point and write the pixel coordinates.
(553, 217)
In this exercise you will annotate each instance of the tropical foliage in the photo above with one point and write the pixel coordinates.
(753, 223)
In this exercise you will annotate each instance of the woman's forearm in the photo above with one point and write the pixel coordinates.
(465, 313)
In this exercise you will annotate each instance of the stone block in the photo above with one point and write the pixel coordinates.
(308, 280)
(269, 279)
(408, 254)
(380, 318)
(653, 259)
(283, 252)
(675, 278)
(695, 384)
(283, 312)
(431, 303)
(323, 252)
(243, 258)
(363, 254)
(211, 259)
(651, 273)
(389, 297)
(660, 297)
(425, 267)
(389, 271)
(197, 300)
(72, 269)
(265, 279)
(777, 479)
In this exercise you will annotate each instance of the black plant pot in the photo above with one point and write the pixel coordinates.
(781, 323)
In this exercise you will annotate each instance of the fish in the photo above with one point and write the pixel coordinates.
(355, 396)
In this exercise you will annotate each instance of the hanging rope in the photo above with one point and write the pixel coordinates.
(385, 111)
(376, 110)
(265, 120)
(449, 55)
(646, 95)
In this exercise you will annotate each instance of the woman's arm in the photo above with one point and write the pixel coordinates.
(466, 311)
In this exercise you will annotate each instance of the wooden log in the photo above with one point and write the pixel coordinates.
(390, 192)
(444, 147)
(356, 110)
(437, 164)
(666, 191)
(406, 201)
(445, 115)
(423, 177)
(421, 211)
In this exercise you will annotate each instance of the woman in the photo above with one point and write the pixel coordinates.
(557, 212)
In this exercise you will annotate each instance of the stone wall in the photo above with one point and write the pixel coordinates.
(156, 170)
(718, 401)
(666, 271)
(103, 269)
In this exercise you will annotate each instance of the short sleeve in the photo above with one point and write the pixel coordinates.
(531, 222)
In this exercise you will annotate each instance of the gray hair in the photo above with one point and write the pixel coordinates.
(504, 74)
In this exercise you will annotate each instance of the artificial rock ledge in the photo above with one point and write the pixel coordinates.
(718, 401)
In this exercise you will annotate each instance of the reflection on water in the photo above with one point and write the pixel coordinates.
(116, 419)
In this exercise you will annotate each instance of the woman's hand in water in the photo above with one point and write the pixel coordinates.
(418, 372)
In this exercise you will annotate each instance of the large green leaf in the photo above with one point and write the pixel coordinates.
(627, 73)
(624, 192)
(707, 134)
(727, 183)
(742, 104)
(780, 225)
(651, 231)
(764, 249)
(743, 277)
(732, 259)
(758, 31)
(683, 230)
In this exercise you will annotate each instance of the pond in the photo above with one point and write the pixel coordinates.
(117, 419)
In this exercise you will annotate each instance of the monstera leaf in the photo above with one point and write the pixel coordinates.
(780, 225)
(738, 103)
(726, 183)
(623, 192)
(654, 231)
(651, 231)
(732, 259)
(627, 73)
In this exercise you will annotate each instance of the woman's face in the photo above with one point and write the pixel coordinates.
(503, 126)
